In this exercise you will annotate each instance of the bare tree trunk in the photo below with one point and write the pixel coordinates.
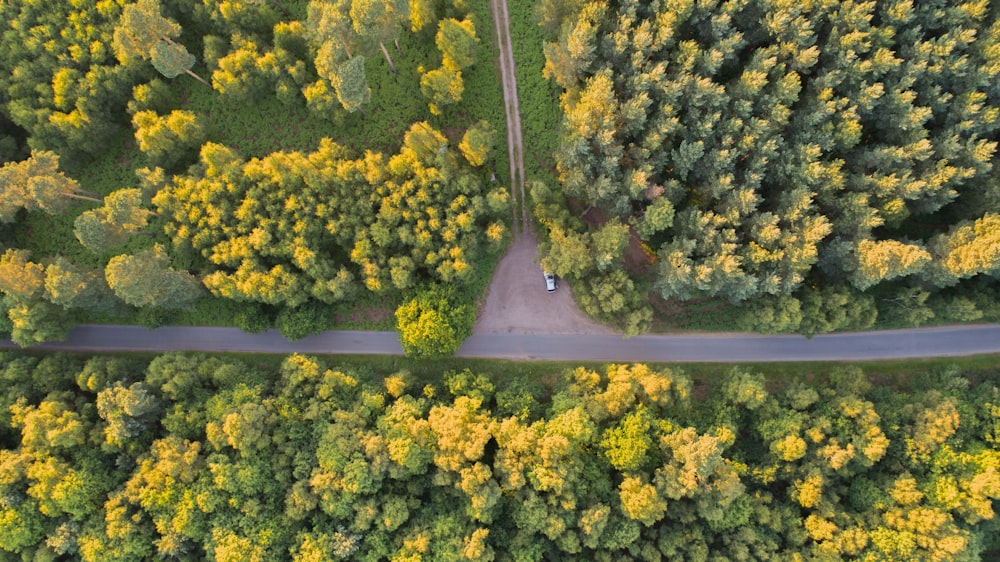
(347, 45)
(396, 41)
(198, 78)
(85, 198)
(363, 112)
(387, 57)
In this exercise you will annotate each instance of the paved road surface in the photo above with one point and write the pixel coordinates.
(896, 344)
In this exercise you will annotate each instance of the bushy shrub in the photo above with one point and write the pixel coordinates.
(305, 320)
(254, 318)
(434, 323)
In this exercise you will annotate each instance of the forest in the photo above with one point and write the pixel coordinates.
(753, 165)
(258, 164)
(809, 165)
(193, 457)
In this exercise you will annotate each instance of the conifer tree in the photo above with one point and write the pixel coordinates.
(146, 279)
(37, 184)
(145, 33)
(351, 85)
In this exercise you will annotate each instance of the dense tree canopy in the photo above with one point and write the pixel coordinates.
(197, 457)
(291, 226)
(753, 146)
(61, 81)
(290, 217)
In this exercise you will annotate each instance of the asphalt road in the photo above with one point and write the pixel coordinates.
(721, 348)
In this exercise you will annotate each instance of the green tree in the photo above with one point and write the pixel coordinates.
(145, 33)
(477, 143)
(38, 321)
(126, 411)
(72, 286)
(908, 306)
(239, 73)
(836, 308)
(351, 85)
(37, 184)
(433, 323)
(331, 29)
(64, 88)
(305, 320)
(168, 139)
(97, 234)
(146, 279)
(378, 21)
(106, 227)
(457, 42)
(442, 86)
(171, 60)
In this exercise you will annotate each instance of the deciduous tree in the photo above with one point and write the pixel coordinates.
(433, 324)
(477, 143)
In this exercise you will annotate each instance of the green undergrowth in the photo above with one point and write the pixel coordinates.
(483, 97)
(718, 315)
(709, 315)
(538, 98)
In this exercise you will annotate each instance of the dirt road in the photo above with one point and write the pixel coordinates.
(515, 144)
(517, 302)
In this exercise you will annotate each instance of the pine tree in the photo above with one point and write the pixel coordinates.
(145, 33)
(146, 279)
(379, 21)
(37, 184)
(72, 286)
(457, 42)
(351, 84)
(477, 143)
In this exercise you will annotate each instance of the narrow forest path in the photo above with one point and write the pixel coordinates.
(515, 143)
(516, 301)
